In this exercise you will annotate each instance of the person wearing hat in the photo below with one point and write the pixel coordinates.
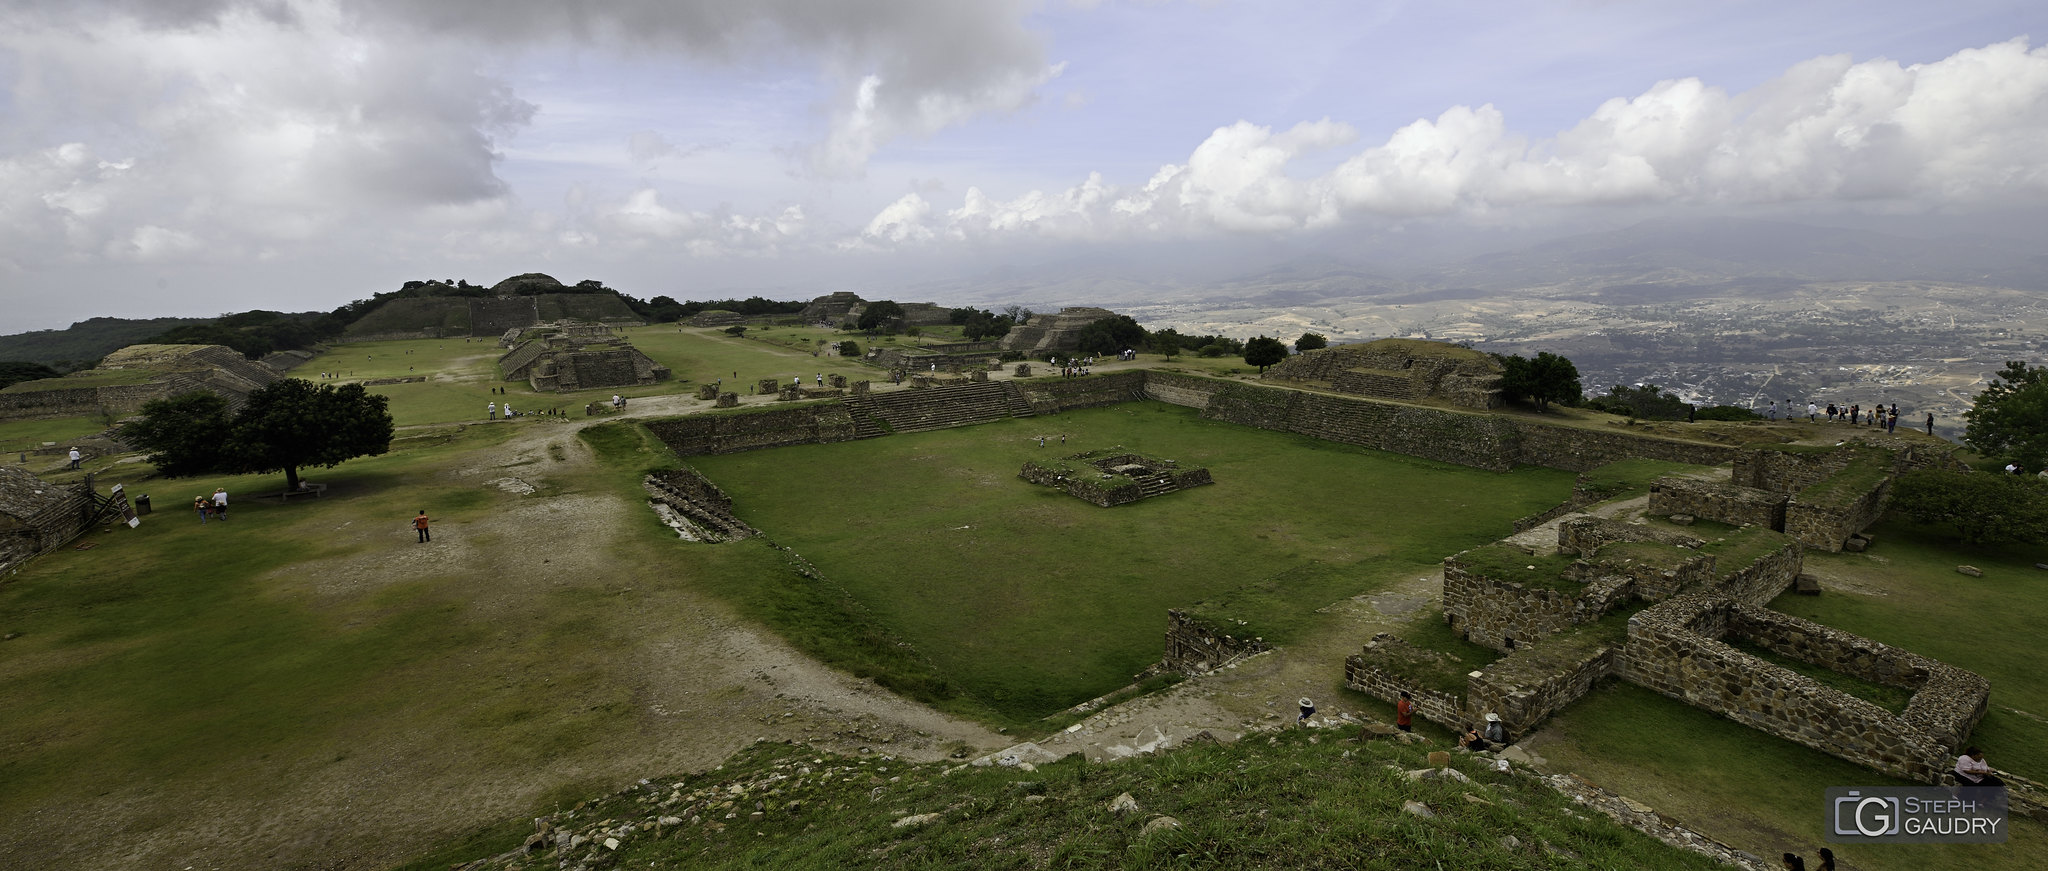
(1496, 731)
(75, 457)
(1308, 709)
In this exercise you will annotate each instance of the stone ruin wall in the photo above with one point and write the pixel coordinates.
(1499, 614)
(1527, 686)
(33, 523)
(517, 363)
(1436, 706)
(1723, 503)
(1094, 391)
(1676, 649)
(1761, 581)
(699, 502)
(1947, 701)
(1826, 527)
(1194, 647)
(1586, 535)
(614, 367)
(1095, 491)
(1579, 450)
(752, 430)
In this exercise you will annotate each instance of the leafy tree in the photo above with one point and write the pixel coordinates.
(183, 434)
(849, 348)
(1982, 508)
(1264, 351)
(293, 423)
(1017, 314)
(982, 324)
(17, 371)
(1728, 412)
(2009, 421)
(878, 314)
(736, 330)
(1111, 335)
(1648, 401)
(1311, 342)
(1545, 379)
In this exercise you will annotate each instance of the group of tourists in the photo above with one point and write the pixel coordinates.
(1878, 415)
(1075, 368)
(213, 507)
(492, 410)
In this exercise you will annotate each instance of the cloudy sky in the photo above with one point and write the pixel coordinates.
(193, 157)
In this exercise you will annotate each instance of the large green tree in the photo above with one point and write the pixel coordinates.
(1264, 351)
(184, 434)
(1544, 379)
(2009, 421)
(1311, 342)
(1981, 507)
(1111, 335)
(293, 424)
(878, 314)
(289, 425)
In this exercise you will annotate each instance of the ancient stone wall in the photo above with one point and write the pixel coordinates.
(1677, 649)
(1825, 524)
(1186, 391)
(1194, 647)
(697, 508)
(1527, 686)
(517, 363)
(1712, 500)
(1786, 472)
(1500, 614)
(38, 516)
(1051, 396)
(714, 433)
(1578, 450)
(1436, 706)
(1763, 579)
(1586, 535)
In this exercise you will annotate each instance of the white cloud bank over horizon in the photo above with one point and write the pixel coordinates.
(1965, 130)
(156, 156)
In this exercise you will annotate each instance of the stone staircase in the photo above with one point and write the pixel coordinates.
(702, 505)
(1019, 406)
(1154, 484)
(1386, 383)
(934, 408)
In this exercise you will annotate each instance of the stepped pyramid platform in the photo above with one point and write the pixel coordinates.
(1114, 476)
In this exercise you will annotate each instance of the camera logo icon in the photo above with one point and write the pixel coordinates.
(1869, 816)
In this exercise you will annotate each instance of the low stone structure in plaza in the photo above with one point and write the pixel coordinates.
(581, 357)
(1113, 476)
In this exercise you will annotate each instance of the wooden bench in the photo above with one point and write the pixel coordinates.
(307, 488)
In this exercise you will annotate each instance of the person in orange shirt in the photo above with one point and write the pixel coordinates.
(420, 523)
(1404, 713)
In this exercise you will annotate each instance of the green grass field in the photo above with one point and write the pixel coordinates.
(1033, 600)
(23, 435)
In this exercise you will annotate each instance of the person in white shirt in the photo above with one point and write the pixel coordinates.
(1972, 770)
(75, 457)
(220, 503)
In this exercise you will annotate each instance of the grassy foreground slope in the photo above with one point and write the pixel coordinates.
(1298, 799)
(1032, 600)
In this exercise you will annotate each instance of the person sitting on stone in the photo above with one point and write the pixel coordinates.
(1472, 740)
(1496, 731)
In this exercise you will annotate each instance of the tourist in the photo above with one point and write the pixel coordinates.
(1496, 731)
(1972, 770)
(1930, 423)
(821, 379)
(1794, 863)
(75, 457)
(1473, 741)
(1827, 859)
(1774, 409)
(202, 506)
(1855, 414)
(1891, 422)
(492, 409)
(419, 524)
(1308, 709)
(220, 503)
(1831, 412)
(1404, 713)
(1812, 411)
(508, 411)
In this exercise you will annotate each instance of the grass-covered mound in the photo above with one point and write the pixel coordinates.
(1032, 601)
(1298, 799)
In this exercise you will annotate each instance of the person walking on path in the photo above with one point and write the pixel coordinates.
(492, 409)
(204, 508)
(75, 457)
(220, 504)
(420, 524)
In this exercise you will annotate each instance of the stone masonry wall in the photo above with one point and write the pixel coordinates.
(715, 433)
(1435, 706)
(1761, 581)
(1675, 649)
(1527, 686)
(1826, 527)
(1577, 449)
(1494, 613)
(1712, 500)
(1194, 647)
(1786, 472)
(1585, 535)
